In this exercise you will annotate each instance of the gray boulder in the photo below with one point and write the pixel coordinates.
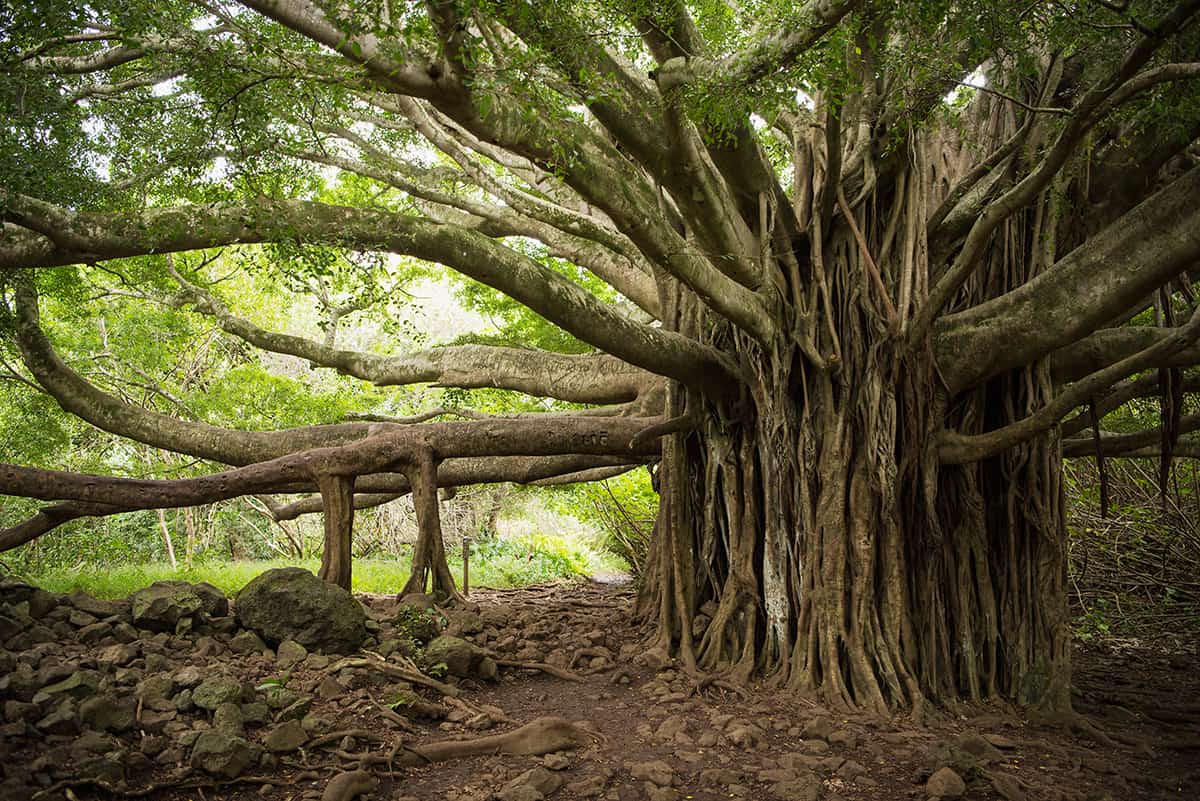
(291, 603)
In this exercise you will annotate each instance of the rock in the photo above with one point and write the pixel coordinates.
(945, 783)
(817, 729)
(522, 792)
(285, 737)
(555, 762)
(330, 688)
(222, 755)
(290, 653)
(458, 655)
(805, 789)
(657, 772)
(539, 779)
(215, 602)
(227, 720)
(213, 692)
(979, 747)
(119, 655)
(187, 677)
(487, 669)
(256, 713)
(80, 684)
(96, 606)
(247, 642)
(95, 632)
(417, 622)
(108, 713)
(463, 622)
(1008, 787)
(156, 688)
(291, 603)
(63, 720)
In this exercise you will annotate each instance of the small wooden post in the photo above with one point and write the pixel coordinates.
(466, 588)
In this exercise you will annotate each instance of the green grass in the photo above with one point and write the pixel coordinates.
(500, 563)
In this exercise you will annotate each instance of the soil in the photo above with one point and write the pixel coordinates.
(650, 731)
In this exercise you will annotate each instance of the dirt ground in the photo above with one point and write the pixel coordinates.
(651, 732)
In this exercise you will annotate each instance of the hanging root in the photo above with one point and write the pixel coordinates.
(540, 736)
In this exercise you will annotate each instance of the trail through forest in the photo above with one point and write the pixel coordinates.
(608, 722)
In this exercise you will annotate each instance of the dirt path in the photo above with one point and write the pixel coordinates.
(654, 733)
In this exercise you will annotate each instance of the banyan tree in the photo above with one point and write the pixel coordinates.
(870, 271)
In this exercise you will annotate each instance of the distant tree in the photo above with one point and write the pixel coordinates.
(841, 268)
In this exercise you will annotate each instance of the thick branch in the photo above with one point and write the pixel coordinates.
(1125, 444)
(1147, 247)
(593, 378)
(72, 238)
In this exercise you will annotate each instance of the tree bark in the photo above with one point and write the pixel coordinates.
(337, 497)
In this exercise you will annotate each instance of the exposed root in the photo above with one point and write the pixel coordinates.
(542, 666)
(393, 671)
(334, 736)
(541, 736)
(347, 786)
(715, 681)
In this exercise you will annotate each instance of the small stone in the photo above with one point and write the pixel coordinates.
(120, 655)
(255, 714)
(290, 653)
(285, 737)
(819, 728)
(1008, 787)
(79, 684)
(247, 642)
(808, 789)
(187, 677)
(108, 713)
(222, 755)
(62, 720)
(945, 783)
(539, 779)
(657, 772)
(213, 692)
(330, 688)
(227, 719)
(555, 762)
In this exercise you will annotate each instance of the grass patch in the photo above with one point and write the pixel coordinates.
(497, 563)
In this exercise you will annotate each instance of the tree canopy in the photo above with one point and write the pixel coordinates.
(839, 270)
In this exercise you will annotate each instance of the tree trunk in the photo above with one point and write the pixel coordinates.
(819, 542)
(337, 497)
(808, 534)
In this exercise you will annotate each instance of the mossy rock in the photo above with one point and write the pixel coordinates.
(290, 603)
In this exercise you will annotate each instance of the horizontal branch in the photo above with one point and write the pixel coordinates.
(1120, 444)
(591, 378)
(376, 490)
(1103, 347)
(71, 238)
(956, 448)
(1144, 249)
(1143, 387)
